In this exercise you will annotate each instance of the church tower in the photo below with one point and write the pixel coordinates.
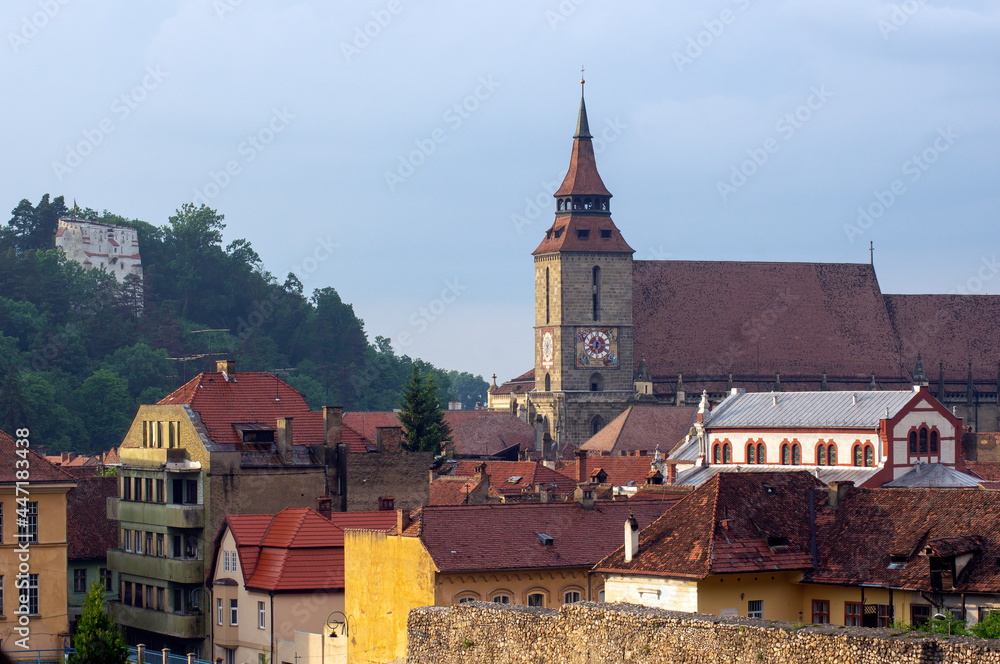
(583, 306)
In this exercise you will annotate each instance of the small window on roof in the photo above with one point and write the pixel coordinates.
(605, 235)
(768, 489)
(582, 234)
(514, 479)
(546, 540)
(777, 541)
(558, 233)
(897, 562)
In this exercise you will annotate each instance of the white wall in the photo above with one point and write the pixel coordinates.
(658, 592)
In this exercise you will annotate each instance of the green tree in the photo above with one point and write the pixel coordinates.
(98, 640)
(106, 409)
(426, 430)
(988, 627)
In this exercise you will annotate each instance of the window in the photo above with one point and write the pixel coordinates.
(727, 453)
(913, 442)
(536, 599)
(821, 455)
(137, 488)
(831, 454)
(149, 544)
(160, 493)
(159, 434)
(138, 541)
(128, 540)
(786, 456)
(751, 453)
(80, 580)
(126, 488)
(934, 442)
(161, 604)
(761, 453)
(920, 614)
(755, 608)
(218, 604)
(159, 544)
(885, 613)
(717, 453)
(1, 591)
(582, 233)
(138, 595)
(821, 611)
(596, 290)
(547, 294)
(501, 598)
(571, 597)
(596, 424)
(233, 613)
(796, 454)
(605, 234)
(869, 456)
(27, 531)
(852, 614)
(923, 440)
(261, 615)
(149, 490)
(178, 600)
(177, 546)
(225, 561)
(127, 592)
(106, 578)
(150, 600)
(857, 455)
(466, 599)
(230, 655)
(548, 383)
(192, 492)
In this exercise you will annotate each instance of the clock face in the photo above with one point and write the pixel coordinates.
(597, 344)
(597, 347)
(548, 348)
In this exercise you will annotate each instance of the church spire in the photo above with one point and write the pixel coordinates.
(582, 126)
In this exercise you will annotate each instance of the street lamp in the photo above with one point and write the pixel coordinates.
(332, 626)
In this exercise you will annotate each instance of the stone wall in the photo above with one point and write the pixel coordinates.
(591, 633)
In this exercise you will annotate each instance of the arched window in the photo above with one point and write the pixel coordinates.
(761, 453)
(857, 455)
(923, 440)
(786, 456)
(796, 454)
(596, 382)
(548, 383)
(821, 455)
(831, 454)
(559, 205)
(913, 442)
(934, 442)
(466, 596)
(717, 453)
(869, 456)
(597, 290)
(546, 295)
(577, 203)
(727, 453)
(596, 424)
(751, 456)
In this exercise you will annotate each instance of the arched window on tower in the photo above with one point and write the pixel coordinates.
(546, 295)
(596, 382)
(559, 205)
(596, 424)
(548, 383)
(596, 290)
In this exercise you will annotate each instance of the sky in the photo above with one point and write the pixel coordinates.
(405, 153)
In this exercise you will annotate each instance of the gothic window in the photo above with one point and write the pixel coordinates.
(761, 453)
(727, 453)
(913, 442)
(786, 456)
(934, 442)
(857, 455)
(596, 424)
(717, 453)
(796, 454)
(831, 454)
(923, 440)
(597, 290)
(548, 383)
(821, 455)
(546, 295)
(869, 456)
(751, 456)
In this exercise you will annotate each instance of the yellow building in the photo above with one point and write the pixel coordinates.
(33, 584)
(532, 554)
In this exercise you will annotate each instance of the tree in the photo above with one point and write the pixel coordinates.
(98, 640)
(426, 430)
(988, 627)
(105, 408)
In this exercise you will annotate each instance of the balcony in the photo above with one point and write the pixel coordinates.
(157, 514)
(178, 625)
(175, 570)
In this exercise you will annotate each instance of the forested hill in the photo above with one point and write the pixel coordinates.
(79, 352)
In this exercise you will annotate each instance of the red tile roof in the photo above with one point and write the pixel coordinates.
(528, 474)
(583, 232)
(619, 470)
(297, 549)
(39, 468)
(857, 539)
(248, 397)
(89, 532)
(732, 523)
(366, 424)
(523, 383)
(474, 432)
(643, 428)
(452, 490)
(502, 537)
(988, 470)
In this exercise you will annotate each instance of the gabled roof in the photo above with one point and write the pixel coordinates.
(247, 397)
(296, 549)
(452, 490)
(619, 470)
(89, 531)
(857, 539)
(849, 410)
(643, 428)
(41, 470)
(506, 537)
(518, 385)
(514, 477)
(735, 522)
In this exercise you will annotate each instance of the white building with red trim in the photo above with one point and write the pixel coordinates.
(868, 437)
(93, 245)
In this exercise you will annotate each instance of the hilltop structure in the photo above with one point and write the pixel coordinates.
(94, 245)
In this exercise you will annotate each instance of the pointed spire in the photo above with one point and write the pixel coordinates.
(919, 376)
(642, 371)
(582, 126)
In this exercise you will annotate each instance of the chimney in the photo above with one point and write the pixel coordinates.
(544, 495)
(402, 521)
(581, 465)
(631, 538)
(323, 506)
(386, 503)
(333, 425)
(227, 367)
(585, 496)
(389, 439)
(283, 436)
(837, 492)
(481, 473)
(336, 455)
(538, 433)
(671, 473)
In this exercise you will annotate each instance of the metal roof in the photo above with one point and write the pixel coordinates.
(933, 476)
(701, 474)
(861, 410)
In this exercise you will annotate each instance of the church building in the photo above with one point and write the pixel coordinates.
(611, 332)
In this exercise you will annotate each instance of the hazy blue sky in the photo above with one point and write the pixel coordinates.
(416, 138)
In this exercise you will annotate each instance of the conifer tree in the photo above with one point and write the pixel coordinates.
(426, 429)
(98, 640)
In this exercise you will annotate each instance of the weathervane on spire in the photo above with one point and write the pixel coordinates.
(581, 78)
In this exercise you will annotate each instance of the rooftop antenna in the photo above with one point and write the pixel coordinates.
(871, 251)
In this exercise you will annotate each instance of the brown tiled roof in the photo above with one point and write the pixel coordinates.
(988, 470)
(720, 317)
(474, 432)
(953, 329)
(735, 522)
(582, 232)
(529, 473)
(89, 532)
(643, 428)
(501, 537)
(523, 383)
(452, 490)
(857, 539)
(39, 468)
(619, 470)
(248, 397)
(367, 423)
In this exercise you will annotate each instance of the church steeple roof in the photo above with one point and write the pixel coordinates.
(582, 179)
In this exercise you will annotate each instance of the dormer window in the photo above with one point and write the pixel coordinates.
(773, 542)
(558, 233)
(897, 562)
(605, 235)
(582, 234)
